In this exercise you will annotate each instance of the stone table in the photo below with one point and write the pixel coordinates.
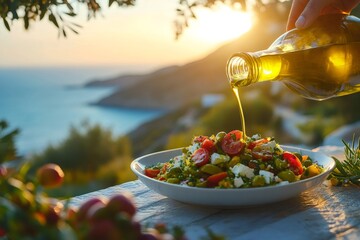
(324, 212)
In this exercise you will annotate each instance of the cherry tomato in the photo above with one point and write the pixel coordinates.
(213, 180)
(294, 162)
(201, 157)
(262, 155)
(257, 142)
(152, 172)
(209, 145)
(232, 143)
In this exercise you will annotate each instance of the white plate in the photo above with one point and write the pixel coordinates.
(229, 197)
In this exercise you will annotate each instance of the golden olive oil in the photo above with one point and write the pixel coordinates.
(316, 73)
(242, 118)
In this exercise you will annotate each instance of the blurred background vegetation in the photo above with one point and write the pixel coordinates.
(92, 158)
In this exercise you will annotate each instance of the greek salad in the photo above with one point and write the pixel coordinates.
(231, 160)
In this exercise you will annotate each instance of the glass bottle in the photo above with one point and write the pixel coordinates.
(318, 63)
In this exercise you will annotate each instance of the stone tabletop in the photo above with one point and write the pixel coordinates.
(325, 212)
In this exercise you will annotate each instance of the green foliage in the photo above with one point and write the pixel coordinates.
(88, 153)
(327, 115)
(7, 142)
(348, 171)
(183, 138)
(339, 106)
(85, 149)
(152, 136)
(116, 171)
(319, 127)
(56, 12)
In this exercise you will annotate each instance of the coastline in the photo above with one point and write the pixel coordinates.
(44, 104)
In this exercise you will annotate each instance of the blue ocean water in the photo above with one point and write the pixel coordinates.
(44, 102)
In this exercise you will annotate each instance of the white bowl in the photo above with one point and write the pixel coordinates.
(229, 197)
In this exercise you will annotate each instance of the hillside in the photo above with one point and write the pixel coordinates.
(173, 87)
(125, 81)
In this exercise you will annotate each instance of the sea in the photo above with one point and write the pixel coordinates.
(43, 103)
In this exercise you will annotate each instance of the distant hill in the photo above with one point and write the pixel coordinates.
(172, 87)
(125, 81)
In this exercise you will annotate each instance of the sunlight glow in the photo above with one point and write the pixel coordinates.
(220, 24)
(141, 35)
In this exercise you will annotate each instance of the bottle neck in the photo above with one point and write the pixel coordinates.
(242, 69)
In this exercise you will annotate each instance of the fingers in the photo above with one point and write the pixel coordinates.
(304, 12)
(296, 9)
(311, 11)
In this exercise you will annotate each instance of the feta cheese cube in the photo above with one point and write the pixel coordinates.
(238, 182)
(269, 146)
(269, 176)
(242, 170)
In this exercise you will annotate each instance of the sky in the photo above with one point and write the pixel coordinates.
(143, 34)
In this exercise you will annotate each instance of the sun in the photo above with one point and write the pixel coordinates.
(220, 24)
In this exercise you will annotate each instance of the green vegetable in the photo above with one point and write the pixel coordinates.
(280, 164)
(234, 160)
(311, 171)
(347, 171)
(173, 180)
(174, 172)
(287, 175)
(307, 163)
(210, 169)
(258, 181)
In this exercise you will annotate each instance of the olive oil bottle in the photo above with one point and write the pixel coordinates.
(318, 63)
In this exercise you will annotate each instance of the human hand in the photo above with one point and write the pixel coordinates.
(304, 12)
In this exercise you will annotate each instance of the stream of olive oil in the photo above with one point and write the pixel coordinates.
(242, 118)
